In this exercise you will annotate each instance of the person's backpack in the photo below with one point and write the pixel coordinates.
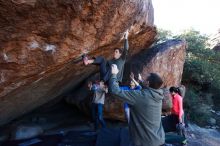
(167, 100)
(182, 90)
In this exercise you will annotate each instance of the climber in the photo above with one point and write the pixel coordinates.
(134, 85)
(99, 90)
(145, 110)
(119, 58)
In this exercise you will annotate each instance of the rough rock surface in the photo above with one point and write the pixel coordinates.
(214, 41)
(41, 43)
(166, 59)
(198, 136)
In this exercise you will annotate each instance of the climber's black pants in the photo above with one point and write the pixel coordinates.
(105, 69)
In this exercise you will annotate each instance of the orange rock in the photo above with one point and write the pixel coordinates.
(41, 43)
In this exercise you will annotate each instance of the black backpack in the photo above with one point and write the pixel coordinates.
(181, 90)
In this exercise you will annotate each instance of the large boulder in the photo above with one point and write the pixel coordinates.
(26, 131)
(214, 41)
(166, 59)
(41, 43)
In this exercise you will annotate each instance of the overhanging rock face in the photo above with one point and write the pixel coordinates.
(41, 43)
(166, 59)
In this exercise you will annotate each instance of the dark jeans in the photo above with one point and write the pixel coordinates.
(169, 123)
(97, 115)
(105, 69)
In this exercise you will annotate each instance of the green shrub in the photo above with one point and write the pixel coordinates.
(198, 111)
(202, 64)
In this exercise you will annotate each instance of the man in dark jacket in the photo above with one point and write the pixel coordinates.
(119, 58)
(145, 108)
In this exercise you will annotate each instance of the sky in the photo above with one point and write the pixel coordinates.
(179, 15)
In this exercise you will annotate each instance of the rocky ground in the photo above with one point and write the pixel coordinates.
(62, 118)
(198, 136)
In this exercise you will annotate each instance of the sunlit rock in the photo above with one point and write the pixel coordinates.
(41, 43)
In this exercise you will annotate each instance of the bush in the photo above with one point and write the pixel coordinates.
(198, 111)
(202, 64)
